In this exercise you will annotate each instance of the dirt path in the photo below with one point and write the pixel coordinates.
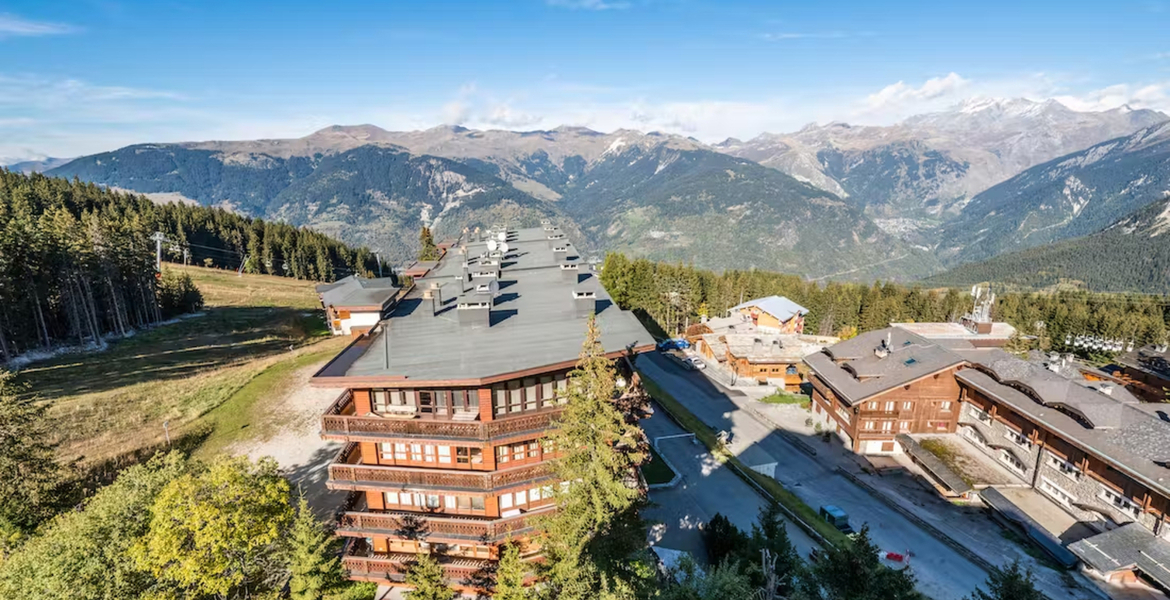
(296, 442)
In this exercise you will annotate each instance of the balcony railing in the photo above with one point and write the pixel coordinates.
(346, 474)
(359, 563)
(338, 425)
(424, 526)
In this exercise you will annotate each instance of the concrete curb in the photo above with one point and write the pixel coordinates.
(677, 476)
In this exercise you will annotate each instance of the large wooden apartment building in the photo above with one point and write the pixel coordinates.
(448, 400)
(1084, 442)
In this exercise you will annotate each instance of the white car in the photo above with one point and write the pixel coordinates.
(696, 362)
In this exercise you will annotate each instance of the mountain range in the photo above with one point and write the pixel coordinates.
(831, 201)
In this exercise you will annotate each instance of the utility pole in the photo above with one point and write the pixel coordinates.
(158, 238)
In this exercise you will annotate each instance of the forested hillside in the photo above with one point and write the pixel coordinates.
(1132, 255)
(77, 261)
(675, 295)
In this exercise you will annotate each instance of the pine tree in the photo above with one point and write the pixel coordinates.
(427, 249)
(1008, 583)
(312, 567)
(30, 476)
(427, 580)
(854, 572)
(510, 574)
(589, 540)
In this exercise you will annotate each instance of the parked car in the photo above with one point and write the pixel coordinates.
(673, 344)
(838, 518)
(696, 362)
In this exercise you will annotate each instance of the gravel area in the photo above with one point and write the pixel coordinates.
(297, 445)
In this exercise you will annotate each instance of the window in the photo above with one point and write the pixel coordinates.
(432, 501)
(476, 503)
(521, 497)
(533, 449)
(449, 502)
(904, 426)
(945, 406)
(887, 426)
(1066, 468)
(1120, 502)
(416, 452)
(889, 407)
(503, 454)
(445, 455)
(530, 398)
(505, 501)
(379, 400)
(429, 453)
(869, 425)
(534, 494)
(468, 456)
(907, 406)
(386, 452)
(391, 497)
(518, 451)
(1018, 439)
(1011, 461)
(791, 370)
(873, 405)
(1056, 492)
(515, 397)
(399, 451)
(426, 403)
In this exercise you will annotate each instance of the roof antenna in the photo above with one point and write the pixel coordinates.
(386, 343)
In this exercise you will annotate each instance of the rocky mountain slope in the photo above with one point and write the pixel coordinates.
(1071, 196)
(1131, 255)
(660, 196)
(920, 172)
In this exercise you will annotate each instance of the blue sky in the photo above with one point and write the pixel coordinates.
(79, 77)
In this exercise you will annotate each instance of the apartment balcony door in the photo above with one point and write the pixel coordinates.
(428, 406)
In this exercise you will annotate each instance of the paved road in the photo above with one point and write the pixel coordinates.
(707, 487)
(943, 574)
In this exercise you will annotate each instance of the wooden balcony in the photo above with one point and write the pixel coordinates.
(435, 528)
(346, 474)
(361, 564)
(339, 423)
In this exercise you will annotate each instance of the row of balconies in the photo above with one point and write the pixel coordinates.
(446, 529)
(340, 423)
(346, 473)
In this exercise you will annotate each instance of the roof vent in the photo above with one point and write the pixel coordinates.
(569, 271)
(883, 349)
(1105, 388)
(474, 310)
(584, 302)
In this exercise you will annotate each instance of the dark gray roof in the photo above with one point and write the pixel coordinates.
(934, 464)
(358, 291)
(1148, 359)
(534, 321)
(1139, 442)
(862, 373)
(1130, 546)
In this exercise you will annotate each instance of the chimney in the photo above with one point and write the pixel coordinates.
(584, 302)
(555, 238)
(569, 271)
(776, 346)
(560, 251)
(474, 310)
(436, 293)
(883, 349)
(757, 347)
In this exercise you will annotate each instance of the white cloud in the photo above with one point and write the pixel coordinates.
(589, 4)
(898, 94)
(1154, 96)
(14, 26)
(504, 115)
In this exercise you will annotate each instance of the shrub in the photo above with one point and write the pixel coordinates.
(177, 294)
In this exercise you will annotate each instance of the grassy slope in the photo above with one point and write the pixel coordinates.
(108, 404)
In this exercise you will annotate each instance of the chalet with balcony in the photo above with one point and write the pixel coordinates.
(773, 314)
(449, 400)
(1083, 441)
(883, 383)
(354, 305)
(1147, 372)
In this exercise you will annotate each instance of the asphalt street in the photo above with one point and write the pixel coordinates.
(943, 573)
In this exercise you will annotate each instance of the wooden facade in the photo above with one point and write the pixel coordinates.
(467, 465)
(929, 404)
